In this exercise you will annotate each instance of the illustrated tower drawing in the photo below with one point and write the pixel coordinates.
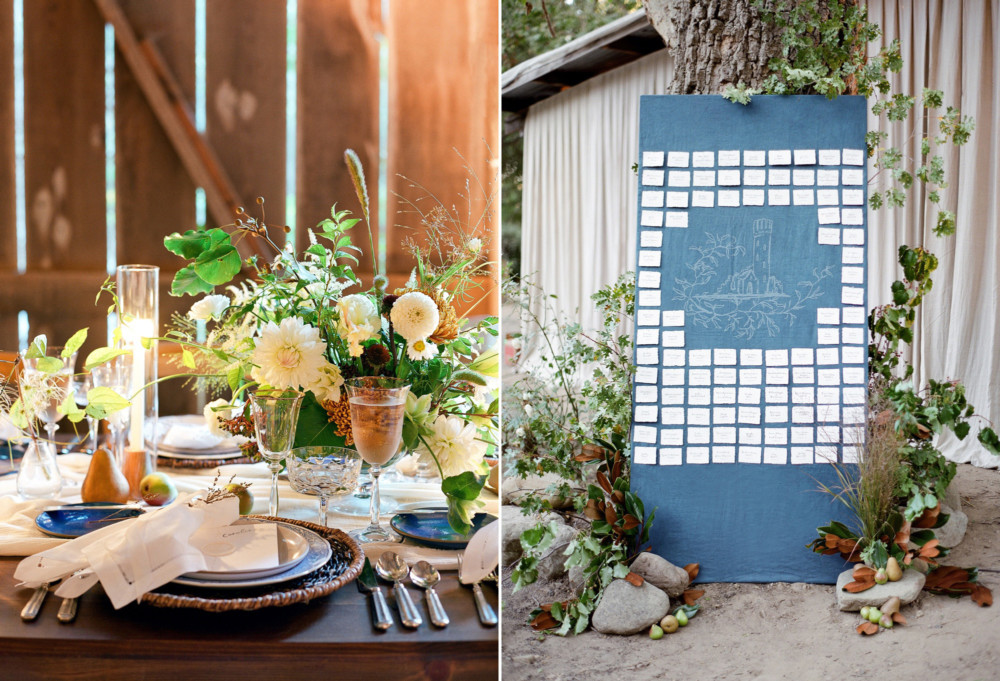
(762, 255)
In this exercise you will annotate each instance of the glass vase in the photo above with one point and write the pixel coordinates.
(39, 477)
(139, 297)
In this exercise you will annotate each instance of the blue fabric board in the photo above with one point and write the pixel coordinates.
(747, 277)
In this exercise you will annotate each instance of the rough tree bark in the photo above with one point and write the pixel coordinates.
(714, 43)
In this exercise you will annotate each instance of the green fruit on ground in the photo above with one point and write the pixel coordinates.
(655, 633)
(881, 577)
(243, 494)
(885, 621)
(157, 489)
(874, 615)
(864, 611)
(682, 618)
(669, 624)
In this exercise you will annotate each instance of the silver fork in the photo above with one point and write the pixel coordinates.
(486, 613)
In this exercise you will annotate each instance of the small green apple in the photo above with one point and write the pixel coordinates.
(243, 494)
(157, 489)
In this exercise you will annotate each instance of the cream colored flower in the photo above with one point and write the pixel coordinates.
(214, 419)
(415, 316)
(456, 445)
(209, 307)
(359, 321)
(475, 245)
(327, 383)
(421, 349)
(289, 355)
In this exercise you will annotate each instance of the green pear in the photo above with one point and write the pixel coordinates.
(157, 489)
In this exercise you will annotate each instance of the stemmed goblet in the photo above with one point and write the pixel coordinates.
(81, 384)
(55, 385)
(116, 374)
(324, 471)
(378, 405)
(275, 415)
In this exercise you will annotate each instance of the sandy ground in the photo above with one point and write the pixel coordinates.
(785, 631)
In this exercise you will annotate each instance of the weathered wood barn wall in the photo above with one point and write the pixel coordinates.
(443, 97)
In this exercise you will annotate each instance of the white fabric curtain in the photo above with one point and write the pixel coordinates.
(578, 230)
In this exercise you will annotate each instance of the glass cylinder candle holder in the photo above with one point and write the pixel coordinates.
(139, 299)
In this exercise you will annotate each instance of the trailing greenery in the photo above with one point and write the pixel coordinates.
(824, 51)
(572, 412)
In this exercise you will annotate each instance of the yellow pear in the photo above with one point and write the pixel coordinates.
(104, 482)
(893, 570)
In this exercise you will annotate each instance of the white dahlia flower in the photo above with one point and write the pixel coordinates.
(327, 383)
(359, 321)
(289, 355)
(209, 307)
(415, 316)
(454, 442)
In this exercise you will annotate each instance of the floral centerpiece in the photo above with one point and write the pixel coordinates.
(307, 322)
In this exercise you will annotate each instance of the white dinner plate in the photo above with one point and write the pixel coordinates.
(292, 548)
(316, 557)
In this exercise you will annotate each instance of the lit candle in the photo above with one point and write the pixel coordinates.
(137, 330)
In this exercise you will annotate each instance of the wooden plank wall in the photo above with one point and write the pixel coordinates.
(443, 94)
(443, 101)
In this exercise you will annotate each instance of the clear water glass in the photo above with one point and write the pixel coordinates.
(324, 471)
(81, 384)
(275, 416)
(378, 407)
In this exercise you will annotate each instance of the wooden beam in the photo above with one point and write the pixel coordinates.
(167, 102)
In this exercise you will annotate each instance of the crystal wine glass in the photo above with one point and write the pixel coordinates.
(275, 415)
(116, 374)
(324, 471)
(54, 385)
(378, 405)
(81, 384)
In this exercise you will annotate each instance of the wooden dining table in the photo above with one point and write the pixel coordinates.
(329, 638)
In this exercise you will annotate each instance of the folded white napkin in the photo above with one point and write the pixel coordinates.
(18, 534)
(190, 436)
(133, 556)
(439, 558)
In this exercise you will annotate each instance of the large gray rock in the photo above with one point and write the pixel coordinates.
(515, 489)
(952, 532)
(552, 564)
(907, 589)
(661, 573)
(625, 609)
(952, 499)
(514, 523)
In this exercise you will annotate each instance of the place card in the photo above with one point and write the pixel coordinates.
(673, 339)
(853, 157)
(750, 436)
(678, 159)
(854, 197)
(853, 375)
(649, 258)
(644, 434)
(750, 377)
(699, 417)
(723, 454)
(779, 176)
(827, 356)
(802, 197)
(672, 396)
(852, 177)
(827, 396)
(854, 315)
(699, 436)
(724, 395)
(852, 275)
(700, 358)
(652, 158)
(725, 356)
(651, 218)
(750, 455)
(827, 197)
(749, 395)
(828, 434)
(649, 279)
(679, 178)
(828, 216)
(777, 197)
(671, 456)
(729, 157)
(776, 357)
(753, 197)
(238, 547)
(697, 455)
(803, 395)
(672, 437)
(652, 178)
(673, 318)
(753, 158)
(804, 177)
(751, 357)
(775, 394)
(855, 395)
(724, 415)
(749, 415)
(828, 377)
(828, 178)
(702, 199)
(645, 414)
(725, 376)
(854, 355)
(649, 298)
(829, 157)
(828, 315)
(677, 218)
(775, 413)
(652, 199)
(805, 157)
(644, 455)
(729, 178)
(646, 393)
(650, 239)
(700, 377)
(754, 178)
(854, 335)
(724, 435)
(729, 198)
(703, 159)
(800, 455)
(777, 375)
(853, 255)
(704, 178)
(647, 336)
(672, 377)
(647, 318)
(802, 355)
(827, 336)
(645, 375)
(828, 236)
(672, 416)
(673, 357)
(803, 415)
(803, 434)
(854, 237)
(803, 375)
(647, 356)
(853, 216)
(779, 157)
(677, 199)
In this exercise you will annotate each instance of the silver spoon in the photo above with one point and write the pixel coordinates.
(391, 567)
(426, 575)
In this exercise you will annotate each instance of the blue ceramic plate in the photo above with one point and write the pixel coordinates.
(433, 529)
(81, 519)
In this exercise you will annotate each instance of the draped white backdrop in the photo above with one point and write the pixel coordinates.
(579, 208)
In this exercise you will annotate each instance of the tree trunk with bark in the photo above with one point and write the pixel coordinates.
(714, 43)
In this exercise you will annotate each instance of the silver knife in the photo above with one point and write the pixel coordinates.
(368, 583)
(67, 611)
(34, 604)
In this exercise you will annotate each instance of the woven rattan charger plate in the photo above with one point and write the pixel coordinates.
(343, 568)
(172, 462)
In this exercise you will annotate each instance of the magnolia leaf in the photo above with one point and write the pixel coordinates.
(192, 243)
(690, 596)
(858, 587)
(102, 355)
(75, 342)
(982, 596)
(635, 579)
(218, 265)
(867, 628)
(103, 401)
(692, 570)
(187, 281)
